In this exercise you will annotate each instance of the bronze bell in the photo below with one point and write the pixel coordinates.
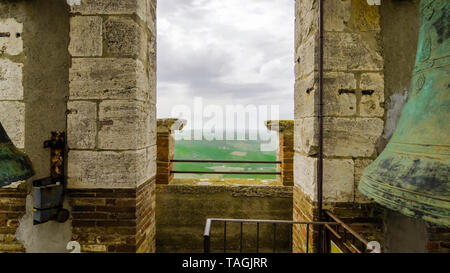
(14, 165)
(412, 174)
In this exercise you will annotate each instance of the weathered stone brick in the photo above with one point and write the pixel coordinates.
(81, 124)
(306, 20)
(123, 37)
(108, 78)
(150, 16)
(339, 94)
(306, 130)
(337, 15)
(108, 169)
(355, 137)
(338, 180)
(11, 87)
(13, 120)
(365, 17)
(12, 45)
(372, 98)
(150, 166)
(106, 7)
(306, 96)
(305, 175)
(124, 125)
(305, 57)
(86, 36)
(351, 52)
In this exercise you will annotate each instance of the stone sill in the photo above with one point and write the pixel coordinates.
(236, 190)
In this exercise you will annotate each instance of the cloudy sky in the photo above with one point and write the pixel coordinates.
(227, 52)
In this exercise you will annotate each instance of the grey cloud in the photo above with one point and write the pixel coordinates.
(202, 70)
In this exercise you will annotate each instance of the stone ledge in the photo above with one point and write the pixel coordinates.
(169, 125)
(236, 191)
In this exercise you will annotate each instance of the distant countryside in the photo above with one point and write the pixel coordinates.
(223, 150)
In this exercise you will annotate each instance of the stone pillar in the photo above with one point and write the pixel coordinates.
(353, 92)
(111, 125)
(165, 144)
(285, 129)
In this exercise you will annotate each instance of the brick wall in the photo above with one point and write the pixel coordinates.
(286, 155)
(165, 151)
(304, 209)
(114, 220)
(12, 208)
(285, 130)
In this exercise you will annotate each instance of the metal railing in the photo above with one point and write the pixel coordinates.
(227, 162)
(347, 239)
(334, 231)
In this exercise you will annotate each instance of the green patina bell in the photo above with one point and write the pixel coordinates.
(412, 174)
(14, 165)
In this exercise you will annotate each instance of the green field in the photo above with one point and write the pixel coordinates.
(223, 150)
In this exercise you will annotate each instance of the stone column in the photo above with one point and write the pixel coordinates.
(353, 92)
(285, 129)
(165, 150)
(112, 125)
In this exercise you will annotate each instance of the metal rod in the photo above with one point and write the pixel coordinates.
(307, 238)
(257, 237)
(320, 117)
(274, 237)
(207, 172)
(346, 227)
(206, 244)
(206, 237)
(240, 243)
(270, 221)
(224, 161)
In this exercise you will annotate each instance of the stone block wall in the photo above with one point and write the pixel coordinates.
(353, 92)
(111, 124)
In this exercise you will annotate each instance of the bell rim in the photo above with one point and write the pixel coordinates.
(426, 211)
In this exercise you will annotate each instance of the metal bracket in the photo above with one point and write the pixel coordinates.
(49, 192)
(57, 145)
